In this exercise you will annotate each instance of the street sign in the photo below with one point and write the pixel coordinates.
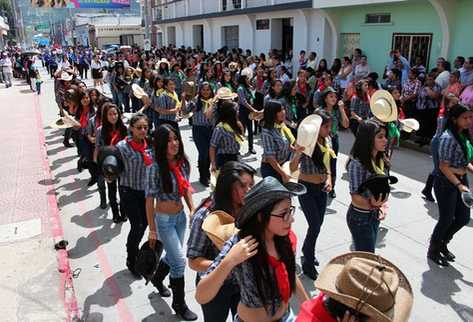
(147, 44)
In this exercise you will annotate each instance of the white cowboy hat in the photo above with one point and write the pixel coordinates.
(65, 76)
(409, 125)
(138, 91)
(383, 106)
(224, 93)
(165, 61)
(308, 132)
(248, 72)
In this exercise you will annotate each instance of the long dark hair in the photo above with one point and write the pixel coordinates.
(107, 127)
(230, 174)
(161, 140)
(81, 107)
(453, 114)
(227, 113)
(271, 92)
(270, 111)
(199, 104)
(266, 285)
(317, 156)
(364, 144)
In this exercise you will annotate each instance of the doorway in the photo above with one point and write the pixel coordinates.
(198, 36)
(172, 35)
(282, 35)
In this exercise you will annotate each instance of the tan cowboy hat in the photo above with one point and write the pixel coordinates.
(256, 116)
(308, 132)
(409, 125)
(138, 91)
(65, 76)
(224, 93)
(369, 284)
(383, 106)
(62, 123)
(248, 72)
(190, 88)
(233, 66)
(219, 227)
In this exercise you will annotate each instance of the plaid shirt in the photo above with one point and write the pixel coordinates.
(424, 101)
(246, 279)
(199, 118)
(134, 174)
(165, 102)
(224, 142)
(307, 166)
(153, 184)
(357, 174)
(450, 151)
(411, 87)
(275, 145)
(360, 107)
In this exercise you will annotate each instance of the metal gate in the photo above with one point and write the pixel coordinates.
(349, 42)
(412, 45)
(230, 37)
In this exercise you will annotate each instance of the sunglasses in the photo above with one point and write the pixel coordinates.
(286, 215)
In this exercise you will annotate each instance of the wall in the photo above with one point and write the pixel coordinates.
(376, 40)
(461, 43)
(101, 41)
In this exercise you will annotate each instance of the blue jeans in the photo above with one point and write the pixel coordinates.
(453, 214)
(313, 204)
(201, 136)
(123, 100)
(364, 226)
(268, 171)
(171, 230)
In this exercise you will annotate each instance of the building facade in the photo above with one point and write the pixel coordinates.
(332, 28)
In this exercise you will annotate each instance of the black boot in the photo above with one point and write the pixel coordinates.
(161, 273)
(448, 255)
(427, 191)
(103, 199)
(178, 302)
(130, 263)
(92, 167)
(434, 254)
(309, 270)
(116, 213)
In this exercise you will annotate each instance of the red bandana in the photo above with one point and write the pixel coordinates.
(280, 271)
(98, 122)
(84, 118)
(182, 183)
(115, 137)
(141, 148)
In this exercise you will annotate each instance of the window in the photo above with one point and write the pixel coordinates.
(126, 40)
(349, 42)
(230, 37)
(378, 18)
(262, 24)
(413, 45)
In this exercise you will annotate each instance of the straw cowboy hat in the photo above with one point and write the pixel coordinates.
(256, 116)
(383, 106)
(248, 72)
(65, 76)
(409, 125)
(219, 227)
(138, 92)
(265, 193)
(224, 93)
(308, 132)
(368, 284)
(62, 123)
(233, 66)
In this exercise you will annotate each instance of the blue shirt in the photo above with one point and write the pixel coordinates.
(307, 166)
(154, 184)
(450, 151)
(357, 174)
(275, 144)
(224, 142)
(167, 103)
(134, 174)
(199, 118)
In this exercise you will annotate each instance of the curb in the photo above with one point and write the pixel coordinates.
(411, 145)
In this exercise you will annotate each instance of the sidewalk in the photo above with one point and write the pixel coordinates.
(31, 287)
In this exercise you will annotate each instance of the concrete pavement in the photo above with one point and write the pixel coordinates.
(106, 291)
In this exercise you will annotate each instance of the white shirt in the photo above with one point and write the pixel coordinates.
(96, 65)
(442, 79)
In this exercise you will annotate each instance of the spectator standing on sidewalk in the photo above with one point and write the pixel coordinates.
(466, 75)
(443, 74)
(6, 69)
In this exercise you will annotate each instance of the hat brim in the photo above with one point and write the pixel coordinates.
(410, 125)
(380, 115)
(219, 227)
(308, 131)
(61, 123)
(326, 282)
(138, 92)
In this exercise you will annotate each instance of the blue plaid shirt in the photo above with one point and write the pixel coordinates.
(224, 142)
(246, 279)
(275, 145)
(153, 184)
(165, 102)
(199, 118)
(357, 174)
(134, 174)
(307, 166)
(360, 107)
(450, 151)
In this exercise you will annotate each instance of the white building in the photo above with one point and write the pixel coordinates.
(3, 31)
(258, 25)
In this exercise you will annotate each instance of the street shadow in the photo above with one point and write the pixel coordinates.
(114, 288)
(163, 312)
(54, 151)
(441, 285)
(55, 141)
(67, 173)
(88, 244)
(381, 239)
(61, 161)
(26, 91)
(48, 182)
(198, 187)
(401, 194)
(75, 197)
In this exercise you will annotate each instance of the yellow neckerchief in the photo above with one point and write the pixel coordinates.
(285, 131)
(328, 154)
(159, 91)
(378, 170)
(206, 104)
(174, 97)
(239, 138)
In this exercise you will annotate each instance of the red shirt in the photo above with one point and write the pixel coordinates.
(314, 311)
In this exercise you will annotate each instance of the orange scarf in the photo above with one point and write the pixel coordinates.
(140, 148)
(182, 183)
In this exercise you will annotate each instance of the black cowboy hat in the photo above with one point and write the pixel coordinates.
(147, 260)
(265, 193)
(110, 162)
(378, 186)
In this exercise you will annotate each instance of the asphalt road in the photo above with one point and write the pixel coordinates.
(106, 291)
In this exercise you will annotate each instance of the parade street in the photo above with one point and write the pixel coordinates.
(104, 288)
